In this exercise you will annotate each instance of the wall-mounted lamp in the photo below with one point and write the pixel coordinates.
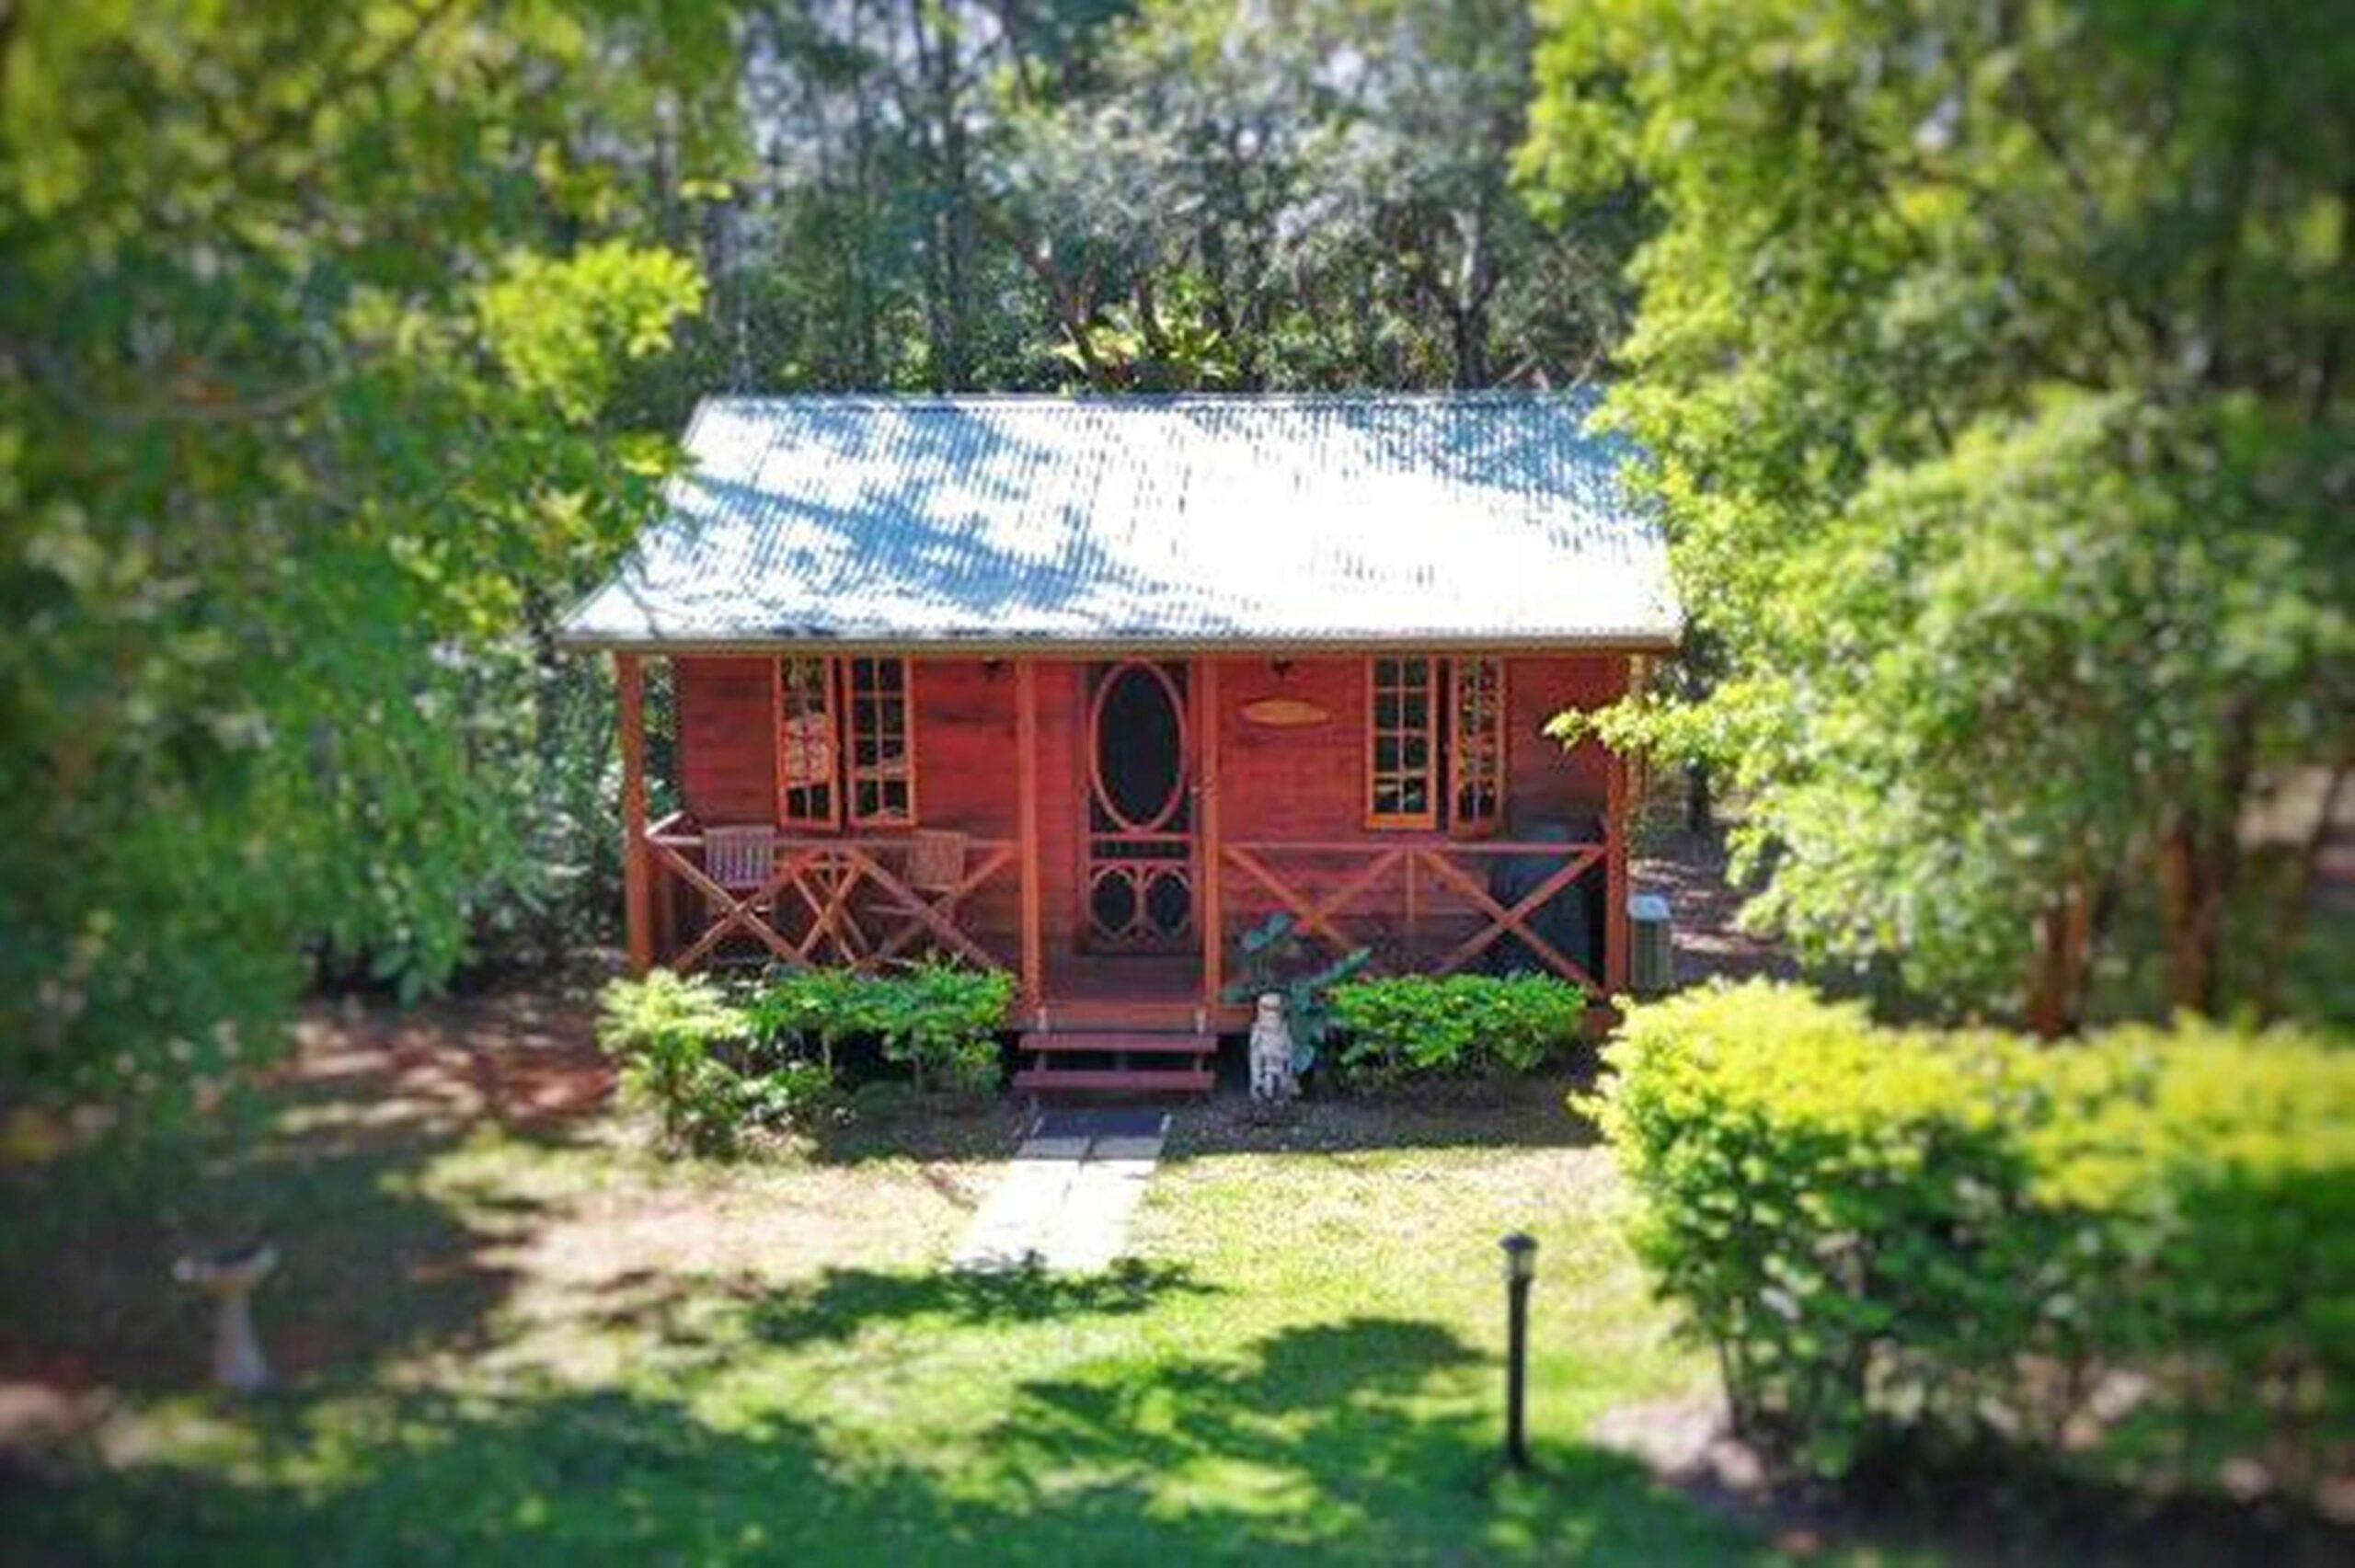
(992, 668)
(1280, 668)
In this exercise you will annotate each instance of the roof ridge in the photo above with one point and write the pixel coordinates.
(923, 400)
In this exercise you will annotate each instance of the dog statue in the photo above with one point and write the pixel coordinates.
(1272, 1079)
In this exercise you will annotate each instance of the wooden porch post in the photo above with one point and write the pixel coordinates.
(638, 884)
(1213, 846)
(1617, 932)
(1026, 775)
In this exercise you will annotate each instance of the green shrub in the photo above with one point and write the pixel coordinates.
(1273, 957)
(785, 1094)
(667, 1031)
(939, 1019)
(1409, 1025)
(826, 1007)
(943, 1021)
(1961, 1238)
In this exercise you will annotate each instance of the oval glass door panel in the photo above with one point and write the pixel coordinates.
(1140, 747)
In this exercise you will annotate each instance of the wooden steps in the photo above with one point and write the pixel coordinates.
(1117, 1080)
(1114, 1015)
(1117, 1061)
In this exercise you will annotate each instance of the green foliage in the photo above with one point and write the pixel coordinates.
(563, 327)
(668, 1032)
(1405, 1026)
(1964, 1238)
(826, 1006)
(1273, 957)
(942, 1020)
(710, 1067)
(939, 1019)
(312, 319)
(786, 1093)
(1989, 362)
(1161, 196)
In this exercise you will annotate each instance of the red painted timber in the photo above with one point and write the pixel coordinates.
(1117, 1080)
(1121, 1040)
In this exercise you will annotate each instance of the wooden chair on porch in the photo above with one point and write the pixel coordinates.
(933, 872)
(740, 861)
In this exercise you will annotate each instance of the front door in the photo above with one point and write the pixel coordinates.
(1138, 872)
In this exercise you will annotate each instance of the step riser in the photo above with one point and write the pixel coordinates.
(1123, 1040)
(1064, 1017)
(1116, 1081)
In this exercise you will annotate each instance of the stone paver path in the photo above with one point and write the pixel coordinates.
(1065, 1201)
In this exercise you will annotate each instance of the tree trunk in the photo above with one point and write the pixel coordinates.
(2198, 865)
(2056, 1002)
(2197, 869)
(1700, 806)
(2290, 913)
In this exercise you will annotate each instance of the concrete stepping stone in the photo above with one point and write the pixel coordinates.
(1065, 1199)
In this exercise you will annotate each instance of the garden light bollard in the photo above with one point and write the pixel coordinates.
(1520, 1267)
(230, 1278)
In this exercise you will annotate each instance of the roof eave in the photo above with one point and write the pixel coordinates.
(1001, 646)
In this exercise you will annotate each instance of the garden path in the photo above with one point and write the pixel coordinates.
(1065, 1201)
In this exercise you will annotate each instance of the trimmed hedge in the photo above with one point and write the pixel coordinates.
(2138, 1249)
(1404, 1025)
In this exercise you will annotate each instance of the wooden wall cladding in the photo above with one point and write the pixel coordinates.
(727, 753)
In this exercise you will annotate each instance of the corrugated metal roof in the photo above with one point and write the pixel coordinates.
(1481, 519)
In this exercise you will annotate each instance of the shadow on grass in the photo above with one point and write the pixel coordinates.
(888, 1121)
(325, 1164)
(1520, 1113)
(1321, 1444)
(841, 1302)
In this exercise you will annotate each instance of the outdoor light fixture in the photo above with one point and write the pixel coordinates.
(1520, 1267)
(1280, 668)
(992, 668)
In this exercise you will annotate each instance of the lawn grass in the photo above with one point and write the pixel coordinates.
(507, 1340)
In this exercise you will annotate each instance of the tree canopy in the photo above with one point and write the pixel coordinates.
(1994, 363)
(311, 318)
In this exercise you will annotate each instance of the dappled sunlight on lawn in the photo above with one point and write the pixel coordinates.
(527, 1338)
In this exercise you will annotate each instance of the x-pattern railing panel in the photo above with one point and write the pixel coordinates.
(825, 879)
(1322, 916)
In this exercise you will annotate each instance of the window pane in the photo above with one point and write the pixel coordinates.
(882, 771)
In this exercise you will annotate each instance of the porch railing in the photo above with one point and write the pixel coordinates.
(1424, 905)
(831, 900)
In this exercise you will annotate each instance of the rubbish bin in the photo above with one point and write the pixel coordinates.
(1652, 966)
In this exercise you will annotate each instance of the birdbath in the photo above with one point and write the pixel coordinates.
(230, 1278)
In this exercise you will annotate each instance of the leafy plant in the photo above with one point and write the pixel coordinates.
(942, 1020)
(1273, 957)
(667, 1031)
(939, 1019)
(1405, 1025)
(786, 1093)
(827, 1006)
(1955, 1237)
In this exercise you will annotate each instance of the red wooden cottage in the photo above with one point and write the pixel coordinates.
(1087, 689)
